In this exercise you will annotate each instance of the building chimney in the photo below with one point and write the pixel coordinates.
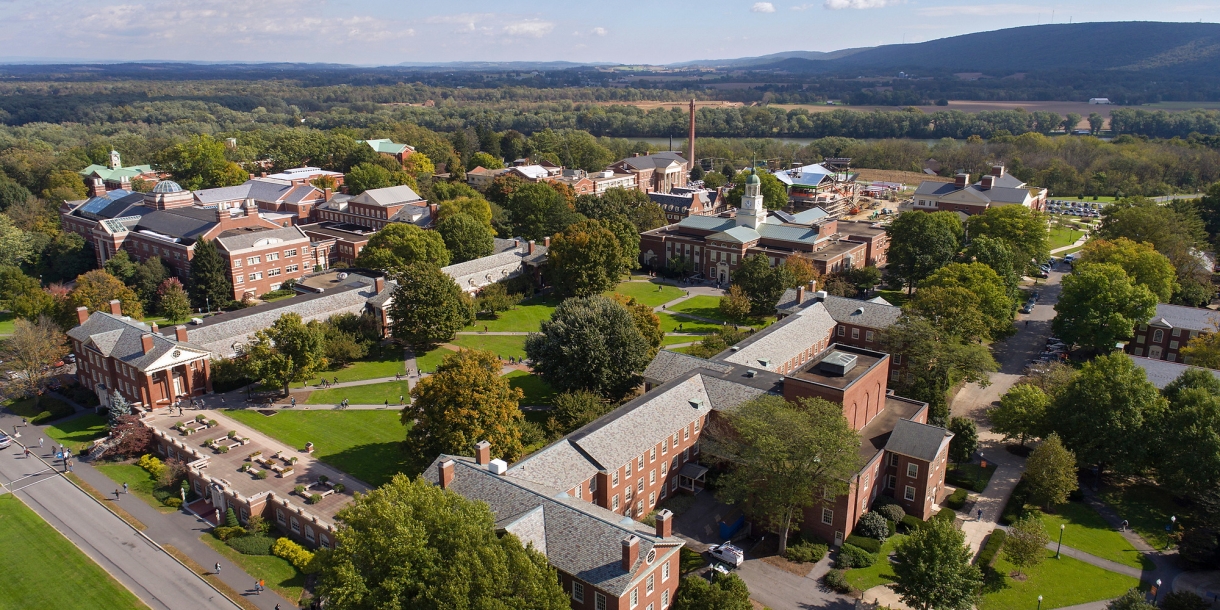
(446, 474)
(665, 524)
(262, 174)
(147, 341)
(180, 333)
(82, 314)
(116, 307)
(531, 251)
(800, 295)
(988, 182)
(154, 328)
(997, 170)
(546, 241)
(690, 146)
(97, 187)
(482, 453)
(328, 194)
(379, 284)
(631, 551)
(961, 180)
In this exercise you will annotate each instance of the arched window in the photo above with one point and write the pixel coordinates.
(1158, 336)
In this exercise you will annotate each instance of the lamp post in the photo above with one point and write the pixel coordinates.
(1062, 526)
(1039, 602)
(1157, 592)
(1173, 519)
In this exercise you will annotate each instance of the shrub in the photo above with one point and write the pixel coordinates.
(212, 422)
(1015, 509)
(911, 523)
(1199, 546)
(873, 525)
(995, 542)
(299, 489)
(256, 525)
(891, 526)
(893, 512)
(852, 556)
(152, 465)
(946, 514)
(201, 418)
(1184, 600)
(807, 552)
(313, 499)
(262, 474)
(255, 544)
(232, 434)
(231, 518)
(957, 499)
(871, 545)
(339, 487)
(223, 448)
(323, 478)
(836, 580)
(225, 532)
(293, 552)
(172, 502)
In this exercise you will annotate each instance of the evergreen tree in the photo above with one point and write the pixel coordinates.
(209, 284)
(118, 407)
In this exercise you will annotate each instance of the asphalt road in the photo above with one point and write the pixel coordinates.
(140, 565)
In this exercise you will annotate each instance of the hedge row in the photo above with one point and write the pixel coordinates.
(991, 548)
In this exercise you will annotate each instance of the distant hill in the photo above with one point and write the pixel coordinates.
(501, 65)
(1177, 48)
(769, 59)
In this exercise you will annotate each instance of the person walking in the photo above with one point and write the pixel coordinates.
(400, 403)
(387, 403)
(27, 452)
(40, 442)
(262, 584)
(116, 495)
(294, 401)
(258, 590)
(124, 488)
(218, 568)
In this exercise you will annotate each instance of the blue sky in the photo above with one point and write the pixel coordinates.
(381, 32)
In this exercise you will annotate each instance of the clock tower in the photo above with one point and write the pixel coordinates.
(752, 213)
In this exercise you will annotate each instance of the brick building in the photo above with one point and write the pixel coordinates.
(376, 208)
(345, 240)
(605, 562)
(117, 354)
(480, 178)
(400, 152)
(1168, 331)
(306, 175)
(857, 323)
(658, 172)
(998, 188)
(679, 203)
(100, 179)
(714, 246)
(281, 201)
(260, 260)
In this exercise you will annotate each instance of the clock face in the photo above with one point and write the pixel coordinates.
(177, 353)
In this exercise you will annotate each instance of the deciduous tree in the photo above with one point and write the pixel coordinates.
(1188, 455)
(762, 283)
(646, 321)
(1021, 413)
(575, 409)
(172, 301)
(920, 244)
(537, 211)
(400, 244)
(428, 307)
(785, 457)
(591, 344)
(465, 401)
(288, 351)
(983, 291)
(1051, 473)
(965, 439)
(1143, 264)
(933, 358)
(410, 544)
(735, 305)
(465, 238)
(97, 288)
(1100, 306)
(474, 206)
(22, 295)
(31, 352)
(724, 592)
(585, 259)
(200, 163)
(1023, 229)
(775, 194)
(934, 571)
(1133, 599)
(1025, 546)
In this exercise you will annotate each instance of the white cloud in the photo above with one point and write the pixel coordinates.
(762, 7)
(531, 29)
(598, 31)
(803, 7)
(836, 5)
(980, 10)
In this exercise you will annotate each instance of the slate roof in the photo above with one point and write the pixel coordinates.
(122, 338)
(920, 441)
(237, 239)
(420, 215)
(1006, 181)
(936, 188)
(514, 255)
(1190, 318)
(581, 539)
(653, 161)
(391, 195)
(669, 365)
(876, 434)
(862, 313)
(782, 341)
(1163, 372)
(682, 198)
(998, 194)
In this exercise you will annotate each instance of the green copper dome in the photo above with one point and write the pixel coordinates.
(753, 179)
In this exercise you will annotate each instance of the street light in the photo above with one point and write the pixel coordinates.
(1173, 519)
(1062, 526)
(1039, 602)
(1157, 592)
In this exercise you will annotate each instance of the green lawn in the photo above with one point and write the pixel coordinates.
(648, 293)
(977, 476)
(429, 361)
(670, 323)
(281, 576)
(141, 483)
(526, 317)
(379, 363)
(1064, 236)
(6, 322)
(895, 297)
(365, 444)
(881, 572)
(537, 391)
(1147, 510)
(371, 394)
(1060, 582)
(78, 432)
(706, 306)
(38, 563)
(503, 345)
(1088, 532)
(674, 339)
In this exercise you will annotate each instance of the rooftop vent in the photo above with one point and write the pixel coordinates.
(751, 373)
(837, 363)
(498, 466)
(764, 362)
(858, 311)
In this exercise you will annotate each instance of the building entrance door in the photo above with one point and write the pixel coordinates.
(1154, 351)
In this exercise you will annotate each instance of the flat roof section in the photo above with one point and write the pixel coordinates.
(876, 434)
(835, 357)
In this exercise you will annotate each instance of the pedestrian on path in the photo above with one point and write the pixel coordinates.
(116, 494)
(27, 452)
(40, 442)
(336, 379)
(980, 514)
(257, 589)
(387, 403)
(294, 401)
(262, 584)
(218, 568)
(400, 403)
(124, 488)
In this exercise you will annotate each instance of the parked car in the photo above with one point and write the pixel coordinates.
(70, 358)
(5, 441)
(1033, 296)
(728, 553)
(1027, 308)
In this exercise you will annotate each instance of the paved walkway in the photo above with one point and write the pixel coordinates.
(1078, 243)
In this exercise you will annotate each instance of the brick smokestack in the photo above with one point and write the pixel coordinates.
(116, 307)
(665, 524)
(147, 343)
(328, 194)
(988, 181)
(531, 246)
(180, 333)
(482, 453)
(546, 241)
(379, 284)
(446, 474)
(82, 314)
(961, 180)
(631, 551)
(800, 294)
(997, 170)
(154, 328)
(690, 146)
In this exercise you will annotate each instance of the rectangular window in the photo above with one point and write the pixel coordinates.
(675, 440)
(894, 375)
(652, 454)
(685, 433)
(273, 272)
(686, 454)
(635, 597)
(912, 470)
(868, 336)
(665, 571)
(639, 486)
(291, 268)
(309, 534)
(894, 459)
(578, 591)
(855, 333)
(296, 525)
(673, 484)
(909, 493)
(891, 482)
(599, 601)
(614, 502)
(665, 598)
(592, 485)
(665, 446)
(273, 256)
(640, 463)
(614, 479)
(652, 476)
(580, 492)
(254, 260)
(897, 358)
(237, 263)
(1140, 338)
(652, 499)
(841, 330)
(1173, 345)
(257, 275)
(1176, 332)
(664, 468)
(292, 252)
(828, 516)
(627, 469)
